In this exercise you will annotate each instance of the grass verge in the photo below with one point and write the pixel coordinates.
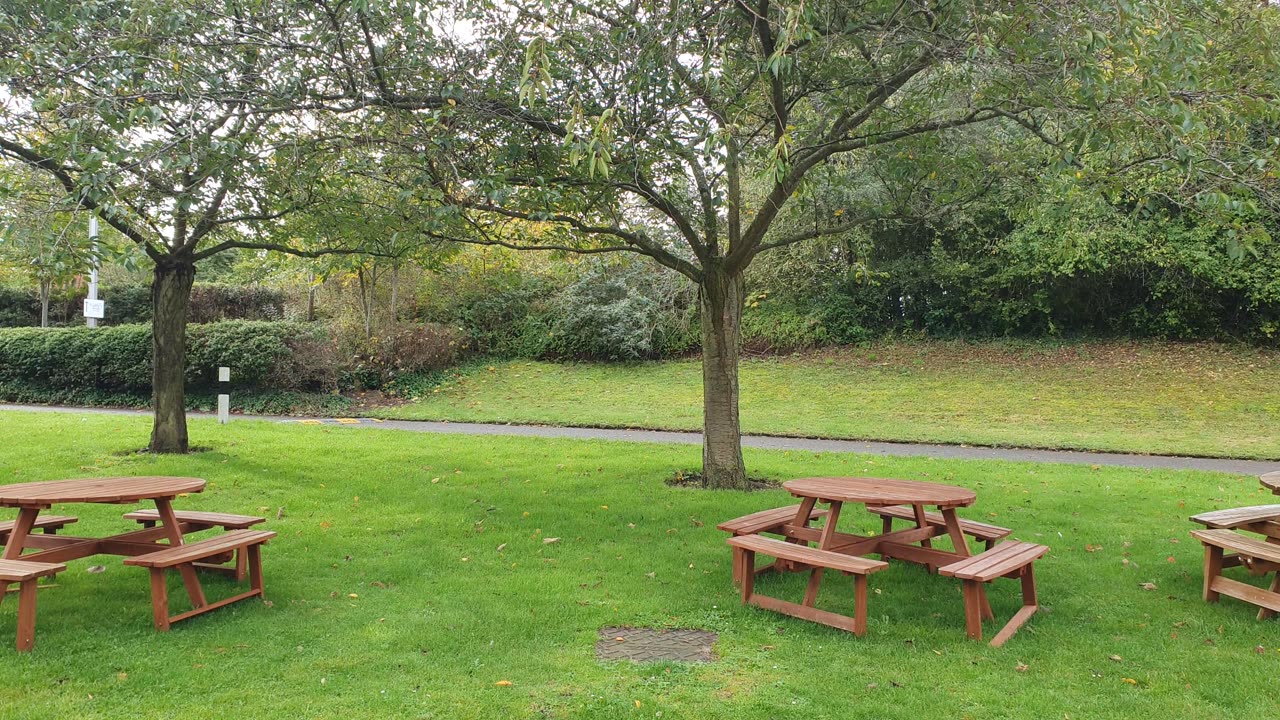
(1206, 400)
(412, 574)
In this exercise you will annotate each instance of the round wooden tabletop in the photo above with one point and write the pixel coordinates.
(880, 491)
(1271, 481)
(96, 490)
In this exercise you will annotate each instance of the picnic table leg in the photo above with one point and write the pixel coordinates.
(802, 520)
(22, 528)
(922, 522)
(829, 528)
(811, 590)
(174, 532)
(1212, 569)
(1264, 613)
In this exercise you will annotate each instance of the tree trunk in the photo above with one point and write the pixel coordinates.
(395, 292)
(721, 298)
(45, 289)
(311, 299)
(170, 297)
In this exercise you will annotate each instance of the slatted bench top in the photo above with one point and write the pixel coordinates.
(199, 550)
(42, 522)
(758, 522)
(807, 555)
(22, 570)
(1237, 517)
(225, 520)
(979, 530)
(996, 562)
(1242, 544)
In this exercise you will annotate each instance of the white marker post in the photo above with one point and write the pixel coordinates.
(224, 395)
(93, 307)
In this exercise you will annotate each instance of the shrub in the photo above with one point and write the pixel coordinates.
(408, 349)
(274, 355)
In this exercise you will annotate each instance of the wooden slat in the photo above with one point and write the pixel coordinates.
(20, 570)
(96, 490)
(209, 519)
(1229, 540)
(1271, 481)
(190, 552)
(978, 530)
(1248, 593)
(215, 605)
(1019, 619)
(880, 491)
(806, 555)
(825, 617)
(1231, 518)
(996, 562)
(758, 522)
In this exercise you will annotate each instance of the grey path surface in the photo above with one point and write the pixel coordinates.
(768, 442)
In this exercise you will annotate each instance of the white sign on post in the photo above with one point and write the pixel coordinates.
(96, 309)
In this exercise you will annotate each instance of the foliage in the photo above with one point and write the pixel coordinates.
(263, 355)
(407, 348)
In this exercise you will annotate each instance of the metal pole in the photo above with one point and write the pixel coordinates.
(224, 398)
(93, 270)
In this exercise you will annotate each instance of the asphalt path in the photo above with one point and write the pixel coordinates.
(767, 442)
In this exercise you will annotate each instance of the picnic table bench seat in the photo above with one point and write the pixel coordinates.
(1012, 559)
(26, 573)
(226, 521)
(985, 532)
(248, 541)
(745, 548)
(197, 520)
(766, 521)
(50, 524)
(1262, 519)
(1259, 556)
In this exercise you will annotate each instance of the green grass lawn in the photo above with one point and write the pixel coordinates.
(411, 575)
(1148, 398)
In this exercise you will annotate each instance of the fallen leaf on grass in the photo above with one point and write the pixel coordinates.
(1148, 586)
(1092, 548)
(1131, 681)
(95, 569)
(1117, 658)
(1021, 667)
(548, 541)
(503, 683)
(502, 547)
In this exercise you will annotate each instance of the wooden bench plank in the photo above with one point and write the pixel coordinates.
(1244, 545)
(1004, 558)
(191, 552)
(977, 530)
(765, 520)
(1231, 518)
(807, 555)
(23, 570)
(211, 519)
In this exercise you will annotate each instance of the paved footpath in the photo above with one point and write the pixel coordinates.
(768, 442)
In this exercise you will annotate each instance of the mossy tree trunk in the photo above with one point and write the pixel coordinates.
(170, 298)
(721, 298)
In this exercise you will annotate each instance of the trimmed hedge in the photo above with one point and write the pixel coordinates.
(129, 304)
(278, 356)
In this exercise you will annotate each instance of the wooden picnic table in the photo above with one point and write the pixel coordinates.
(1271, 481)
(911, 544)
(32, 498)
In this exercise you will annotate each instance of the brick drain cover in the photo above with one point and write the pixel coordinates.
(651, 645)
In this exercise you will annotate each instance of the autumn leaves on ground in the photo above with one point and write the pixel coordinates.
(1163, 398)
(412, 578)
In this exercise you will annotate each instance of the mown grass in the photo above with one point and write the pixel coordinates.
(411, 574)
(1205, 400)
